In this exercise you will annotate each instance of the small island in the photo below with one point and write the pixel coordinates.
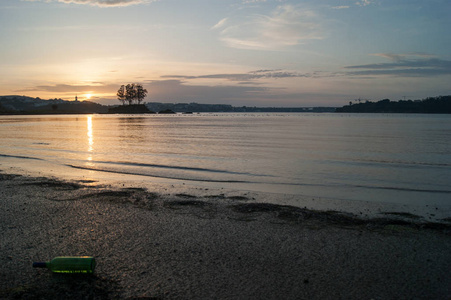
(130, 109)
(130, 93)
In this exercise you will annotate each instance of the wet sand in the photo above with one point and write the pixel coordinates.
(179, 246)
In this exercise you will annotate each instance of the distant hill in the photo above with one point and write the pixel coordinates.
(432, 105)
(16, 103)
(28, 105)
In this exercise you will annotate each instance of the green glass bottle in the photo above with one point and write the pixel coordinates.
(69, 264)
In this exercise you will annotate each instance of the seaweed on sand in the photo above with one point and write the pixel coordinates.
(137, 197)
(182, 195)
(56, 184)
(297, 214)
(179, 203)
(200, 209)
(402, 214)
(8, 176)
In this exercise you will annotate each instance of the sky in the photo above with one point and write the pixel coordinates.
(238, 52)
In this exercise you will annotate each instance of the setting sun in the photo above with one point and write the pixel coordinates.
(88, 96)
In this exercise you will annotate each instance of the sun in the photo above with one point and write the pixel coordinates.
(88, 96)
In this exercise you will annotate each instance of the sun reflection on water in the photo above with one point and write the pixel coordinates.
(90, 138)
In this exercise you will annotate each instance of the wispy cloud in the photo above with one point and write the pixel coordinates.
(286, 26)
(177, 90)
(406, 56)
(400, 65)
(246, 78)
(364, 2)
(253, 1)
(101, 3)
(54, 28)
(340, 7)
(81, 27)
(98, 87)
(168, 90)
(407, 65)
(220, 24)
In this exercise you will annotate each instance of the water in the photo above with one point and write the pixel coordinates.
(389, 158)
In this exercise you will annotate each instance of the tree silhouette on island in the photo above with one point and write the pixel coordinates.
(130, 93)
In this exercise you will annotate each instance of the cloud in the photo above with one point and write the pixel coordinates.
(101, 3)
(175, 90)
(364, 2)
(98, 87)
(246, 78)
(179, 91)
(220, 24)
(252, 1)
(340, 7)
(406, 65)
(400, 57)
(401, 65)
(286, 26)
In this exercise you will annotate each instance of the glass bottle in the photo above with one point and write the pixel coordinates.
(69, 264)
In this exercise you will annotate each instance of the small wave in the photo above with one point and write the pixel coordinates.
(18, 156)
(403, 164)
(362, 186)
(178, 168)
(403, 189)
(157, 176)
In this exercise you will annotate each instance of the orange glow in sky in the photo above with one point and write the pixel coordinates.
(238, 52)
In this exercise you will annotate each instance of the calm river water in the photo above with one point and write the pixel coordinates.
(371, 157)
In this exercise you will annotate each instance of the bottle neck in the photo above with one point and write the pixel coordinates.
(39, 265)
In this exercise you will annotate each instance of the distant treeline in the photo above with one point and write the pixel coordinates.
(432, 105)
(199, 107)
(27, 105)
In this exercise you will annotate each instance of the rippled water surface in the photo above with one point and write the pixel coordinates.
(374, 157)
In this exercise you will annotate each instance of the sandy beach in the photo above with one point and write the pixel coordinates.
(179, 246)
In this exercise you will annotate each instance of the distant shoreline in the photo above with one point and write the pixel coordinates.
(23, 105)
(28, 105)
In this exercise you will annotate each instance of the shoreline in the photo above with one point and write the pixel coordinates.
(170, 246)
(426, 212)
